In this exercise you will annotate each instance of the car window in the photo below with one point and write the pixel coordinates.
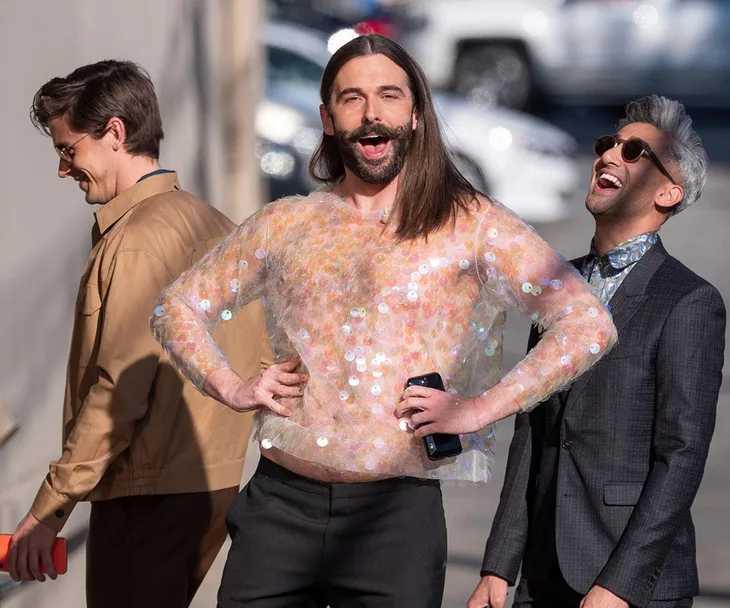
(285, 65)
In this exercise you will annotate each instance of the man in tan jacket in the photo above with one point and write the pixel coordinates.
(159, 462)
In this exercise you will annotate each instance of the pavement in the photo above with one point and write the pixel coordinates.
(697, 238)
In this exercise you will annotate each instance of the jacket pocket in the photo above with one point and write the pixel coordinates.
(622, 494)
(89, 300)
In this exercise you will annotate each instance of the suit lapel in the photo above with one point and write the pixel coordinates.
(625, 303)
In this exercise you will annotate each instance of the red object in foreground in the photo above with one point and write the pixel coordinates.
(59, 554)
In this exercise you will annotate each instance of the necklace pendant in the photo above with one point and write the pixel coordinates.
(384, 215)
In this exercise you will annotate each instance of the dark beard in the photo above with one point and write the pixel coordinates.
(378, 171)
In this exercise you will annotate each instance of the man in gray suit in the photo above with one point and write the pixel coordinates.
(601, 477)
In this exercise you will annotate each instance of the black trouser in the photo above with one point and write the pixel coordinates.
(303, 543)
(555, 592)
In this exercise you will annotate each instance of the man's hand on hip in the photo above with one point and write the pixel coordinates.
(600, 597)
(491, 591)
(31, 544)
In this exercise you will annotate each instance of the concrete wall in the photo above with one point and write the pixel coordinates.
(45, 223)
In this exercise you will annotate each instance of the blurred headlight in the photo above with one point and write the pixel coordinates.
(278, 164)
(500, 138)
(340, 38)
(306, 140)
(277, 123)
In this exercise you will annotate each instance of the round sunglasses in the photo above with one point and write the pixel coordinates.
(632, 149)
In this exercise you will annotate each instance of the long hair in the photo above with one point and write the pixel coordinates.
(431, 191)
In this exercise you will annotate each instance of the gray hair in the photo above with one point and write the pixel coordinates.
(685, 149)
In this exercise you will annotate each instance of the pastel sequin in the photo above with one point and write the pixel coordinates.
(364, 313)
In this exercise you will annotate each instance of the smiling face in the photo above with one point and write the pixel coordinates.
(91, 163)
(624, 190)
(371, 114)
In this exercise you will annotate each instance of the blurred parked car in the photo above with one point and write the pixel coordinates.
(512, 52)
(521, 160)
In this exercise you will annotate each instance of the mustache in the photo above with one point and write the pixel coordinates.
(378, 129)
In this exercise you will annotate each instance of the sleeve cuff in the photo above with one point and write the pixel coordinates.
(51, 508)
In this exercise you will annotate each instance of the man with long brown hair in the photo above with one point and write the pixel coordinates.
(396, 268)
(159, 462)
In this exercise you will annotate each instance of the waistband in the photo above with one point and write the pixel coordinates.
(343, 490)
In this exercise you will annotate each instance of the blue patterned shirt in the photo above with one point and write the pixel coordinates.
(606, 273)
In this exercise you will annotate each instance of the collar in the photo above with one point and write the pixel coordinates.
(626, 253)
(111, 212)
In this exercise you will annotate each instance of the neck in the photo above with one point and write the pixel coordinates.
(610, 233)
(131, 171)
(368, 198)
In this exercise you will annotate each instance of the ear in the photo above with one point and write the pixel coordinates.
(118, 132)
(668, 197)
(327, 122)
(414, 119)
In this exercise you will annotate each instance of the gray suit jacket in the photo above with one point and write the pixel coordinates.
(604, 473)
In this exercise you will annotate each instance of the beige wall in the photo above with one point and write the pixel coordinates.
(44, 222)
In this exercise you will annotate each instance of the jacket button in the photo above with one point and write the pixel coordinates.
(567, 444)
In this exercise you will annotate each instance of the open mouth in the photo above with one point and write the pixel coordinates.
(606, 182)
(374, 146)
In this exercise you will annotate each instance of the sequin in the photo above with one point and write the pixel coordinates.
(235, 284)
(415, 276)
(243, 264)
(492, 233)
(565, 360)
(346, 329)
(344, 395)
(595, 348)
(383, 307)
(361, 360)
(267, 444)
(435, 263)
(489, 256)
(423, 268)
(203, 306)
(376, 390)
(303, 334)
(226, 315)
(403, 425)
(464, 264)
(362, 367)
(322, 442)
(159, 311)
(362, 312)
(556, 284)
(355, 313)
(412, 296)
(354, 381)
(376, 409)
(593, 313)
(360, 351)
(489, 351)
(260, 254)
(379, 443)
(370, 465)
(349, 356)
(527, 287)
(536, 290)
(413, 286)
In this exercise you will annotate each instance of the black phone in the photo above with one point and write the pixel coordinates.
(438, 445)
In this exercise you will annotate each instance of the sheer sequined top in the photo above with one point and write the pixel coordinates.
(364, 313)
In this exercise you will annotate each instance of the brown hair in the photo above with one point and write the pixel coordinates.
(431, 191)
(92, 94)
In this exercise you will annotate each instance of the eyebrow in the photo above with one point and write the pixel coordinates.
(381, 89)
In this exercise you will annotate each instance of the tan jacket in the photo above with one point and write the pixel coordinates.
(132, 426)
